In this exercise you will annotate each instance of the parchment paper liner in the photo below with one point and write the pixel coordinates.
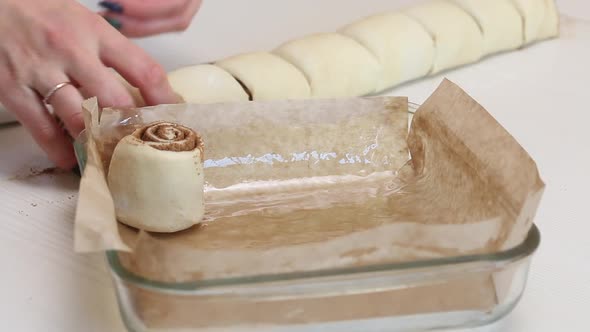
(469, 189)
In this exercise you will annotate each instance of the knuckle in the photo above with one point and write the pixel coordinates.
(97, 22)
(16, 64)
(55, 36)
(61, 40)
(11, 73)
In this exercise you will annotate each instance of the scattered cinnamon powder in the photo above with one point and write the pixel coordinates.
(34, 172)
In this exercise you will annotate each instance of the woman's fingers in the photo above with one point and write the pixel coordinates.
(63, 42)
(31, 113)
(145, 8)
(136, 27)
(65, 102)
(139, 69)
(96, 80)
(141, 26)
(67, 105)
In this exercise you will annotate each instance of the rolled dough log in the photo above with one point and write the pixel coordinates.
(156, 178)
(375, 53)
(206, 84)
(334, 65)
(267, 76)
(402, 46)
(499, 21)
(457, 36)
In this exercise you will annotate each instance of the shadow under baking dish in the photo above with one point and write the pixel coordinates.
(451, 292)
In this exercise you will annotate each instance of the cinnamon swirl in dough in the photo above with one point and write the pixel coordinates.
(156, 178)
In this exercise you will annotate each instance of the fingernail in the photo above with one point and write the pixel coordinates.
(114, 22)
(111, 6)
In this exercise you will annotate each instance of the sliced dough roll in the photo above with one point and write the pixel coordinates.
(499, 21)
(550, 26)
(406, 51)
(533, 13)
(334, 65)
(457, 36)
(540, 17)
(206, 84)
(156, 178)
(267, 76)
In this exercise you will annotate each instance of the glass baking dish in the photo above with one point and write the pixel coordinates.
(441, 293)
(413, 296)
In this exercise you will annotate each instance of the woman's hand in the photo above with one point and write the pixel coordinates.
(45, 43)
(140, 18)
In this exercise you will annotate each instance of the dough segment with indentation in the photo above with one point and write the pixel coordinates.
(267, 76)
(375, 53)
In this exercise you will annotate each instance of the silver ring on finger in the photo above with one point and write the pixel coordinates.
(54, 90)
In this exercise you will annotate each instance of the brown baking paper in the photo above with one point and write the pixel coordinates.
(96, 228)
(298, 186)
(260, 155)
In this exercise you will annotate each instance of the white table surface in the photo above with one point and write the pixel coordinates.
(538, 94)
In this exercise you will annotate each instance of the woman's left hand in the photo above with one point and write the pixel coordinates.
(141, 18)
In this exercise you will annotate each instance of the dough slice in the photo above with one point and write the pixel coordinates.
(267, 76)
(499, 21)
(457, 36)
(540, 17)
(206, 84)
(550, 26)
(334, 65)
(156, 178)
(406, 51)
(532, 13)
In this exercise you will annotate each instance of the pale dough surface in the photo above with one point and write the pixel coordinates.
(458, 38)
(541, 19)
(206, 84)
(335, 65)
(550, 26)
(267, 76)
(499, 21)
(374, 53)
(154, 190)
(404, 48)
(532, 13)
